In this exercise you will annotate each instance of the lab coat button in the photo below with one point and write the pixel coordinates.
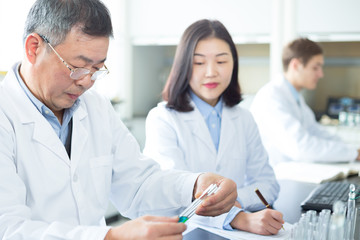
(214, 112)
(213, 125)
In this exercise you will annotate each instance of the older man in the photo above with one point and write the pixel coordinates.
(64, 153)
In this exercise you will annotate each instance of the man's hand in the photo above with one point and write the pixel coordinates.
(220, 202)
(265, 222)
(148, 227)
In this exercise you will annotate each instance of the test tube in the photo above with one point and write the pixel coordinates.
(323, 223)
(337, 221)
(351, 214)
(190, 210)
(310, 222)
(302, 227)
(324, 226)
(357, 225)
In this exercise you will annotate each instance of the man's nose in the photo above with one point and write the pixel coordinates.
(85, 81)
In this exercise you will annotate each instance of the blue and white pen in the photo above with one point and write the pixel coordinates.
(190, 210)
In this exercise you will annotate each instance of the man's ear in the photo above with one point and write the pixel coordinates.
(295, 64)
(32, 44)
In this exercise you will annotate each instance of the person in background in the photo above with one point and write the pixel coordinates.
(64, 152)
(287, 125)
(201, 127)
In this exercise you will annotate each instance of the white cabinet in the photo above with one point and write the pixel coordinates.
(163, 21)
(329, 20)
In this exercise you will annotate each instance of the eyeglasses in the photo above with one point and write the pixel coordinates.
(79, 73)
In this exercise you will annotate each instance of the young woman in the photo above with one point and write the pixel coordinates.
(200, 126)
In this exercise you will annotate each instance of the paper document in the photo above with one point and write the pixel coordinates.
(241, 235)
(315, 172)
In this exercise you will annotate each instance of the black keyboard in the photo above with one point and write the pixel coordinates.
(326, 194)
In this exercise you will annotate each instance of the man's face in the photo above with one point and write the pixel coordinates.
(309, 75)
(52, 83)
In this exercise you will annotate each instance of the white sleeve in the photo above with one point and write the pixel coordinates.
(161, 144)
(259, 173)
(140, 187)
(222, 221)
(285, 132)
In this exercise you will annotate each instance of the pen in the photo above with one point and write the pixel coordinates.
(257, 191)
(190, 211)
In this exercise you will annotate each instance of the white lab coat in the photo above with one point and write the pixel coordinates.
(289, 130)
(45, 195)
(182, 141)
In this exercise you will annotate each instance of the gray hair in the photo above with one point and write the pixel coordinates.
(55, 18)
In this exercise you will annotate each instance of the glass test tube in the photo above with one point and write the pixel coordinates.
(337, 221)
(351, 214)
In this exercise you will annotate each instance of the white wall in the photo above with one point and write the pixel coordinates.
(151, 23)
(12, 18)
(13, 14)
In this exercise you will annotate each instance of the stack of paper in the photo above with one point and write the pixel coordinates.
(241, 235)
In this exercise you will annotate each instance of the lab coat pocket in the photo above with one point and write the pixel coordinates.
(101, 170)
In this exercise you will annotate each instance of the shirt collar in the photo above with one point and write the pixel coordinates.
(205, 108)
(293, 91)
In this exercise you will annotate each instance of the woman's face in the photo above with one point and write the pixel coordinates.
(212, 69)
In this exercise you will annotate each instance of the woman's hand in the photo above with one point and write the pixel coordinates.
(264, 222)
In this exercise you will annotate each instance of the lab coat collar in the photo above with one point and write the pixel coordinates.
(42, 130)
(198, 127)
(289, 97)
(79, 135)
(200, 130)
(227, 131)
(49, 139)
(293, 91)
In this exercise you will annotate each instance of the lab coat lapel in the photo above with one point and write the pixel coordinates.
(227, 131)
(302, 109)
(79, 136)
(31, 117)
(45, 135)
(198, 127)
(296, 107)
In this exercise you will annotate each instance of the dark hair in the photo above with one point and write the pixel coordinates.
(55, 18)
(302, 49)
(176, 90)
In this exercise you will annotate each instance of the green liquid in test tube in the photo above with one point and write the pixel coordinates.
(183, 219)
